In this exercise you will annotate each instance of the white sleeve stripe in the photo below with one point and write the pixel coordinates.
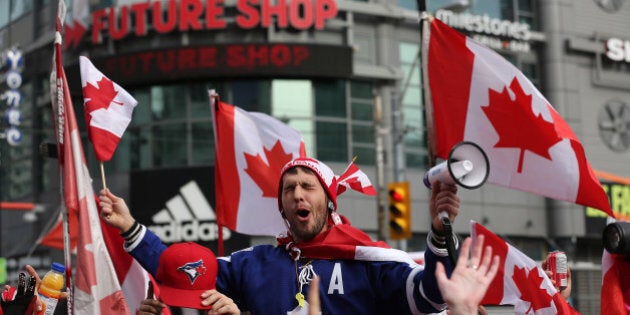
(433, 304)
(412, 303)
(132, 246)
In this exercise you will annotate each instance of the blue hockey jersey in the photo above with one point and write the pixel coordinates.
(264, 280)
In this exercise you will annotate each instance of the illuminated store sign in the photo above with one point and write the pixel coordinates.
(290, 60)
(517, 34)
(619, 197)
(618, 49)
(196, 15)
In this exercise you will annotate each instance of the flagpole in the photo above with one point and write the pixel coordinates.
(103, 175)
(447, 227)
(213, 107)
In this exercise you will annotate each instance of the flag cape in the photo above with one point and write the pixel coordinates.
(96, 287)
(250, 150)
(519, 281)
(108, 109)
(476, 95)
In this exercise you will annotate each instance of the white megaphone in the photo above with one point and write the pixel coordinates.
(467, 166)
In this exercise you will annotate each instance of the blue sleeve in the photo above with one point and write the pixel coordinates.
(147, 251)
(426, 291)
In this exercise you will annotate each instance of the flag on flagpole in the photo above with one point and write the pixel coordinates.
(520, 281)
(250, 150)
(476, 95)
(108, 109)
(96, 288)
(355, 179)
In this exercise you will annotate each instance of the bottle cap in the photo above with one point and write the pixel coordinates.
(58, 267)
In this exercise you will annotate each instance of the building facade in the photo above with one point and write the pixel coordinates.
(346, 74)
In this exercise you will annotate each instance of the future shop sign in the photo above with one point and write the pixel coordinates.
(220, 60)
(197, 15)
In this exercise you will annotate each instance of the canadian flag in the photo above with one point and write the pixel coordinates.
(355, 179)
(519, 281)
(251, 149)
(96, 289)
(615, 293)
(108, 109)
(477, 95)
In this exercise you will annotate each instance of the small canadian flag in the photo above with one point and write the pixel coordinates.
(108, 109)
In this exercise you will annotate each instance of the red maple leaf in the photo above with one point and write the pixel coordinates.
(528, 283)
(267, 177)
(100, 96)
(517, 125)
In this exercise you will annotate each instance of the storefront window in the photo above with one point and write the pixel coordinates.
(332, 141)
(20, 7)
(411, 102)
(362, 113)
(4, 12)
(172, 126)
(169, 145)
(292, 102)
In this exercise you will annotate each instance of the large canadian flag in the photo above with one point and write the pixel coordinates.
(476, 95)
(519, 281)
(251, 149)
(96, 288)
(108, 109)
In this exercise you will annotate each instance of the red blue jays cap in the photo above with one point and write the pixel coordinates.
(185, 271)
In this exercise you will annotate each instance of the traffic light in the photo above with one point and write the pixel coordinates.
(399, 211)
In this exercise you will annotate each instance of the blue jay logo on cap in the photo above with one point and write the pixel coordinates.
(193, 270)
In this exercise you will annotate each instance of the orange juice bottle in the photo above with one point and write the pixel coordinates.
(52, 284)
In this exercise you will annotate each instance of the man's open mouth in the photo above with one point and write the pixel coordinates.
(303, 213)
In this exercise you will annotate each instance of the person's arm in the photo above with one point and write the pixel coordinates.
(114, 211)
(140, 242)
(443, 198)
(470, 279)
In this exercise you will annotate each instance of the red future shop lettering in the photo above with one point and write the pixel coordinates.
(235, 56)
(197, 15)
(250, 56)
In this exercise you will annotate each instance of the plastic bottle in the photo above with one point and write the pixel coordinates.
(52, 284)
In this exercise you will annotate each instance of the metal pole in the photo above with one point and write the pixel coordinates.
(381, 195)
(398, 133)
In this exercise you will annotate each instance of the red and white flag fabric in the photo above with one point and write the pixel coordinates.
(477, 95)
(133, 279)
(355, 179)
(520, 281)
(108, 109)
(96, 288)
(251, 149)
(615, 293)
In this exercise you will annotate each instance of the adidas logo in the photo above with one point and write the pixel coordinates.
(187, 217)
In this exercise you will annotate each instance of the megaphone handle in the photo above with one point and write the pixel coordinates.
(447, 229)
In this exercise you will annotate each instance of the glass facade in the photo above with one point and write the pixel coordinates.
(411, 101)
(172, 125)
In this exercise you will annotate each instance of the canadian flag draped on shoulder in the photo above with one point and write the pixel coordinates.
(96, 289)
(251, 149)
(476, 95)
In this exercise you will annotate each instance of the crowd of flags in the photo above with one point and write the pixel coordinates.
(537, 152)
